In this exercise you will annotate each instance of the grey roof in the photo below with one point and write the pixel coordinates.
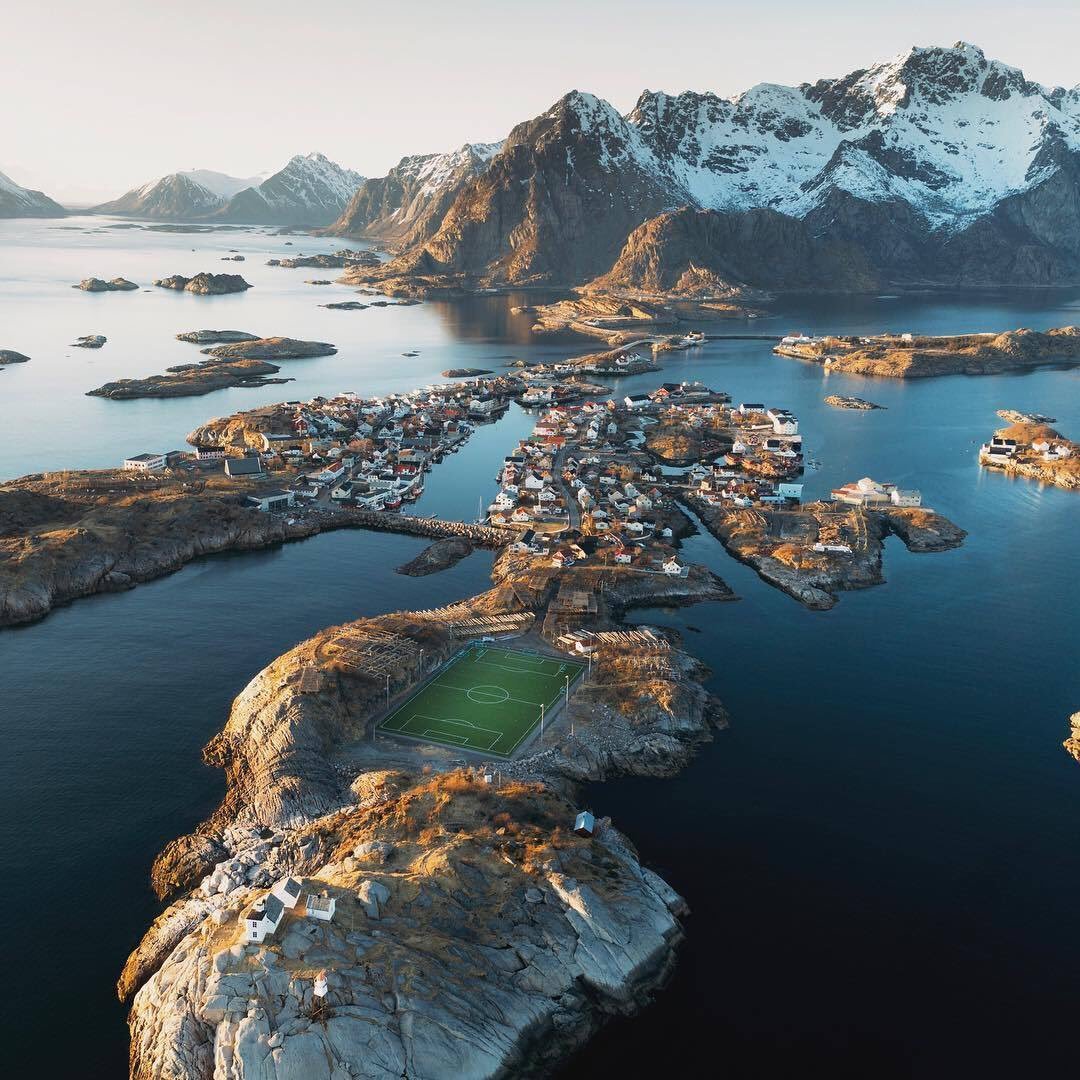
(291, 886)
(319, 903)
(144, 457)
(245, 466)
(272, 909)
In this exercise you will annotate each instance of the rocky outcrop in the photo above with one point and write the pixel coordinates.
(438, 556)
(10, 356)
(556, 933)
(192, 380)
(117, 284)
(337, 261)
(919, 357)
(216, 337)
(784, 552)
(90, 341)
(205, 284)
(1072, 743)
(465, 373)
(845, 401)
(271, 348)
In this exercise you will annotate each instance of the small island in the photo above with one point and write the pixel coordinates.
(117, 284)
(10, 356)
(271, 348)
(89, 341)
(205, 284)
(339, 260)
(1036, 451)
(916, 356)
(460, 372)
(844, 401)
(192, 380)
(215, 337)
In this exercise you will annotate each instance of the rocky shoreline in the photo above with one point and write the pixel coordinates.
(526, 935)
(780, 545)
(909, 356)
(67, 535)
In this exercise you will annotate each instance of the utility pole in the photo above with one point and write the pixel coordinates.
(568, 692)
(421, 662)
(388, 690)
(541, 723)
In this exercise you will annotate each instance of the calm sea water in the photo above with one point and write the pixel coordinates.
(881, 854)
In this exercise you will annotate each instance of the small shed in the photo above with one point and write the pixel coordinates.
(321, 907)
(585, 824)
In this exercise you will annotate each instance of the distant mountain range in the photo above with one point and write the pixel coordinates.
(310, 190)
(16, 201)
(936, 167)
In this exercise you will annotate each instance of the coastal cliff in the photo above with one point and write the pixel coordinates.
(475, 934)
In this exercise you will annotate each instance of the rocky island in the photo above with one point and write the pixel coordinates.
(192, 380)
(339, 260)
(216, 337)
(914, 356)
(205, 284)
(90, 341)
(271, 348)
(1036, 451)
(845, 401)
(117, 284)
(465, 373)
(10, 356)
(814, 552)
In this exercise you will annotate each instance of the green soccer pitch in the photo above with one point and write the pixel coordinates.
(487, 699)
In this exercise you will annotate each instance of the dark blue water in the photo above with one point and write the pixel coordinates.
(880, 853)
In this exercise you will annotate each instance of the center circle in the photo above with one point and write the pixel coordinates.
(488, 695)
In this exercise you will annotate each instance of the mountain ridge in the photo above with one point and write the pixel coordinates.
(938, 166)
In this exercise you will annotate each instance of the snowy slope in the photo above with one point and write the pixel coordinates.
(17, 201)
(310, 190)
(178, 196)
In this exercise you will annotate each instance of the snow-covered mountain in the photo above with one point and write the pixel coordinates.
(407, 204)
(17, 201)
(936, 165)
(310, 190)
(181, 196)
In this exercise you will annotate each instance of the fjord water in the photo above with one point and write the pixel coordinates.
(880, 853)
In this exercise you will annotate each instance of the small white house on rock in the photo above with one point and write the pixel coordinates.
(262, 918)
(287, 890)
(321, 907)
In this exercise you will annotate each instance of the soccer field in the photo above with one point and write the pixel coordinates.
(488, 699)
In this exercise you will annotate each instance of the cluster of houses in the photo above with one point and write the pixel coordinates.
(867, 492)
(264, 916)
(1000, 448)
(366, 452)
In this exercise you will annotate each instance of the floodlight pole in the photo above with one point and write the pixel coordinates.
(541, 722)
(568, 691)
(388, 689)
(421, 661)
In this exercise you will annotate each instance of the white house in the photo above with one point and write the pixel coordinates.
(748, 407)
(272, 500)
(905, 497)
(287, 890)
(675, 568)
(243, 466)
(145, 462)
(263, 918)
(320, 907)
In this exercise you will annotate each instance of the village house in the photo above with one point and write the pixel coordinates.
(248, 466)
(145, 463)
(272, 500)
(320, 907)
(263, 918)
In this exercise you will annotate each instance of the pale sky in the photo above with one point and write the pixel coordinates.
(99, 97)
